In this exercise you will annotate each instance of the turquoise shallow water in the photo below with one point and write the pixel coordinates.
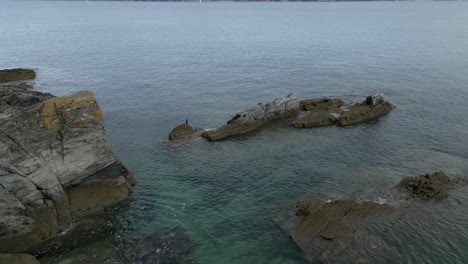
(151, 65)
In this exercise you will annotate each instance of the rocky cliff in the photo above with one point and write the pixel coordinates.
(55, 166)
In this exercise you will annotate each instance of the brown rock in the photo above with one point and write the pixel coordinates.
(309, 113)
(315, 119)
(16, 75)
(359, 113)
(323, 104)
(427, 187)
(17, 259)
(184, 132)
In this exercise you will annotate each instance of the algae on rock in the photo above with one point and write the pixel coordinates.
(12, 75)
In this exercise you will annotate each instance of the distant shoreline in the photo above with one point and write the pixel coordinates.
(254, 0)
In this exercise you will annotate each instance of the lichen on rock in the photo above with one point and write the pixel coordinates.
(55, 166)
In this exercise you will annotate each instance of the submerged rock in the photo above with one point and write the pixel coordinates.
(55, 166)
(12, 75)
(428, 187)
(326, 228)
(255, 118)
(330, 226)
(171, 247)
(17, 259)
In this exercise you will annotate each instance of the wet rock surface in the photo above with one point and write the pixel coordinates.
(17, 259)
(308, 113)
(11, 75)
(183, 134)
(21, 86)
(255, 118)
(428, 187)
(361, 113)
(315, 119)
(329, 226)
(322, 104)
(55, 166)
(325, 228)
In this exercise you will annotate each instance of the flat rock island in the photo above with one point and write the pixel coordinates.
(309, 113)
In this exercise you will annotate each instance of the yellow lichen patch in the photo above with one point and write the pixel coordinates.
(60, 111)
(98, 114)
(50, 114)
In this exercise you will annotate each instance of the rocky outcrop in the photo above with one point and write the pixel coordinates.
(55, 166)
(183, 134)
(318, 112)
(327, 112)
(307, 113)
(325, 227)
(255, 118)
(21, 86)
(331, 225)
(372, 108)
(315, 119)
(428, 187)
(322, 104)
(17, 259)
(12, 75)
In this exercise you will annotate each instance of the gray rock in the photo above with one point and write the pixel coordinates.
(255, 118)
(55, 166)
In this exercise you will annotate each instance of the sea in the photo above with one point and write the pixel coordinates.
(153, 65)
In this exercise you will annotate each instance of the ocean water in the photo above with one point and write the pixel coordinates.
(152, 65)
